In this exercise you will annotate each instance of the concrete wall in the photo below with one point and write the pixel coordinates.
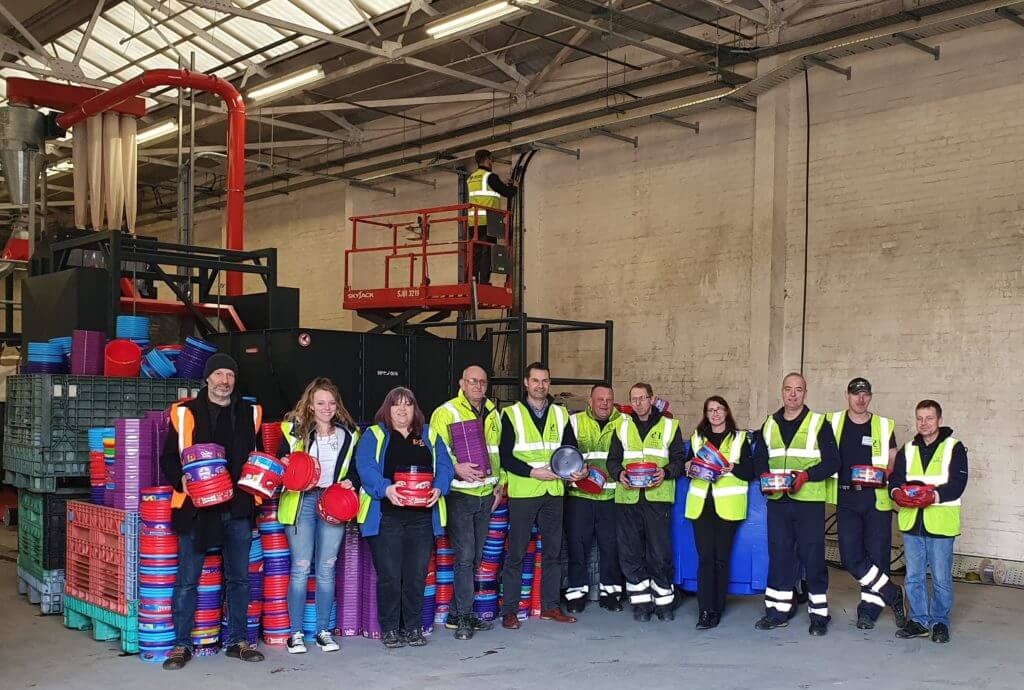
(694, 246)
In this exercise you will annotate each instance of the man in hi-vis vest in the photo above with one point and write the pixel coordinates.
(485, 189)
(531, 430)
(473, 493)
(216, 415)
(864, 514)
(930, 522)
(795, 441)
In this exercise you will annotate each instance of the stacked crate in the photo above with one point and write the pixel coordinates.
(41, 547)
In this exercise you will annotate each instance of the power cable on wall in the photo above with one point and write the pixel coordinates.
(807, 216)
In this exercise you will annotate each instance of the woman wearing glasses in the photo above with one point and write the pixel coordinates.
(718, 508)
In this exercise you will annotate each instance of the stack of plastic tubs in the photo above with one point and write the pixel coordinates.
(45, 358)
(430, 596)
(206, 635)
(276, 568)
(254, 614)
(538, 578)
(134, 450)
(101, 588)
(369, 622)
(98, 462)
(158, 569)
(485, 601)
(42, 530)
(445, 562)
(134, 328)
(271, 433)
(348, 584)
(309, 611)
(192, 360)
(530, 560)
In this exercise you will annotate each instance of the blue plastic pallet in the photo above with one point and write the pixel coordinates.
(48, 593)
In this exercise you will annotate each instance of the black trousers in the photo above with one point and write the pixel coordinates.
(401, 554)
(796, 537)
(588, 520)
(468, 521)
(546, 511)
(645, 552)
(714, 537)
(482, 256)
(865, 546)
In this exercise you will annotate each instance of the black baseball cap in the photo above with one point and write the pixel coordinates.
(858, 385)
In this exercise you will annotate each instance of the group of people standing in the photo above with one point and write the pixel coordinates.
(631, 526)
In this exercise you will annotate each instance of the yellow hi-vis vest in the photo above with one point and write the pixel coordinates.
(288, 508)
(881, 432)
(801, 455)
(939, 518)
(535, 449)
(365, 500)
(729, 492)
(652, 448)
(459, 409)
(594, 443)
(481, 194)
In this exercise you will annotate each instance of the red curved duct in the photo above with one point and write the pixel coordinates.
(181, 78)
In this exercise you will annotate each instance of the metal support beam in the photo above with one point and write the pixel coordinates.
(455, 74)
(914, 43)
(759, 18)
(818, 62)
(569, 46)
(372, 188)
(1011, 16)
(350, 105)
(88, 32)
(575, 153)
(695, 126)
(737, 103)
(416, 180)
(21, 29)
(605, 132)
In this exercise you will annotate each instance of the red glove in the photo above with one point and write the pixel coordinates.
(902, 499)
(799, 479)
(925, 500)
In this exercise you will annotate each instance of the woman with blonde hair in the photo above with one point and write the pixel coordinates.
(321, 426)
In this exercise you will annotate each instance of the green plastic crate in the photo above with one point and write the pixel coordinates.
(104, 624)
(42, 529)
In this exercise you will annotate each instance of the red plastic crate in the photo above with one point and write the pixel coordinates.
(102, 556)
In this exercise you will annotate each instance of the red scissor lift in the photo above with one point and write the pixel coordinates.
(380, 288)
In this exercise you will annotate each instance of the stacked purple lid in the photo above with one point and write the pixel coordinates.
(134, 450)
(87, 352)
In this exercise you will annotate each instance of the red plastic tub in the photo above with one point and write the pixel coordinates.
(122, 358)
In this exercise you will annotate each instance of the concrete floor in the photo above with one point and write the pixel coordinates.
(603, 650)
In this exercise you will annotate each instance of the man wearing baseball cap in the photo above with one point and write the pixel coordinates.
(864, 512)
(216, 415)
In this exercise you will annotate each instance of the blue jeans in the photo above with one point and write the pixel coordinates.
(309, 535)
(237, 540)
(923, 554)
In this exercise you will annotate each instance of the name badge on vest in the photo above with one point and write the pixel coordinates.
(866, 441)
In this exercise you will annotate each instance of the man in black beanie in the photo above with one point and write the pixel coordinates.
(216, 415)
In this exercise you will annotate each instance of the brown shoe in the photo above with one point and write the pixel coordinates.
(556, 615)
(510, 621)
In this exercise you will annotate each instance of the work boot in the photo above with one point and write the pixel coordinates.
(899, 608)
(912, 629)
(451, 621)
(415, 638)
(665, 613)
(767, 623)
(464, 631)
(704, 621)
(818, 628)
(642, 614)
(510, 621)
(177, 658)
(392, 640)
(865, 623)
(940, 633)
(477, 624)
(610, 602)
(576, 605)
(242, 651)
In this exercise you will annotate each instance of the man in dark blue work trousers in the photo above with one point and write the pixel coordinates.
(867, 446)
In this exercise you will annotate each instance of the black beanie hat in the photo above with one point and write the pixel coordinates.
(219, 360)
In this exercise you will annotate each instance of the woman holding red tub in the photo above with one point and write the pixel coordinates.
(400, 522)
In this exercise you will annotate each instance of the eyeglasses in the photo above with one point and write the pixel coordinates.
(475, 382)
(640, 399)
(715, 410)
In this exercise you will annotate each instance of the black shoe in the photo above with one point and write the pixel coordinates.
(801, 593)
(678, 597)
(242, 651)
(767, 623)
(610, 603)
(716, 618)
(392, 640)
(665, 613)
(704, 621)
(899, 608)
(415, 638)
(940, 633)
(641, 614)
(478, 624)
(451, 622)
(818, 628)
(576, 605)
(865, 623)
(912, 629)
(464, 631)
(177, 658)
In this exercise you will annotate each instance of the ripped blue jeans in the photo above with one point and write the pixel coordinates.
(308, 536)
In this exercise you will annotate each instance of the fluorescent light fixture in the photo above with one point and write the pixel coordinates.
(292, 81)
(467, 19)
(156, 131)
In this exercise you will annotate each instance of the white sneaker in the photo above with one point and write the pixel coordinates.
(296, 645)
(325, 642)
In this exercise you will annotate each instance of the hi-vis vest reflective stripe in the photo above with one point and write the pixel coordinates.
(288, 508)
(449, 414)
(881, 432)
(652, 448)
(535, 449)
(480, 193)
(943, 518)
(594, 443)
(184, 424)
(730, 493)
(365, 500)
(803, 453)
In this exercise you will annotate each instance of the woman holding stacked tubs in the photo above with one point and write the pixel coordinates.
(406, 470)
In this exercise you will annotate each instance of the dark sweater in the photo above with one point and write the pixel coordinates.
(829, 464)
(509, 462)
(676, 450)
(495, 183)
(950, 491)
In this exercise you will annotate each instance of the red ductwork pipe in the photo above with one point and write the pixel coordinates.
(180, 78)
